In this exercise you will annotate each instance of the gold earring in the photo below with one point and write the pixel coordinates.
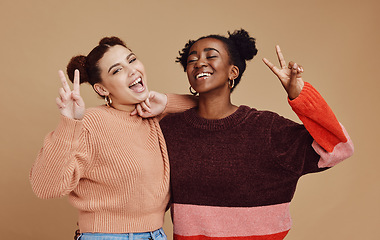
(192, 91)
(231, 85)
(108, 100)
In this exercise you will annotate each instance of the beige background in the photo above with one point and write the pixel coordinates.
(336, 41)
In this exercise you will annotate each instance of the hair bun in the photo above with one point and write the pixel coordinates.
(111, 41)
(245, 44)
(77, 62)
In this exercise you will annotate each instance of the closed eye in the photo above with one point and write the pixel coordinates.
(132, 60)
(116, 71)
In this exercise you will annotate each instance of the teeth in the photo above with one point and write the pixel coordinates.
(204, 74)
(135, 82)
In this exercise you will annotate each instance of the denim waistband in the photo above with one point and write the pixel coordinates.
(158, 234)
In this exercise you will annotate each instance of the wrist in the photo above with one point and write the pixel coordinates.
(296, 91)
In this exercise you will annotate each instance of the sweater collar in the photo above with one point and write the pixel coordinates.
(192, 117)
(121, 114)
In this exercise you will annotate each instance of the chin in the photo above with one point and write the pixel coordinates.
(143, 96)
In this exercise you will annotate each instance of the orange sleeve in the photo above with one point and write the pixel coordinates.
(318, 118)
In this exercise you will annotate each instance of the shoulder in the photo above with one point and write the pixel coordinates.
(255, 114)
(95, 111)
(179, 120)
(265, 119)
(95, 115)
(173, 118)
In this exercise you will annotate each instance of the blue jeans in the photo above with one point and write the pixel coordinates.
(155, 235)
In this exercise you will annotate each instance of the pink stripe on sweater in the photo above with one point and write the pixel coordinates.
(276, 236)
(340, 152)
(194, 220)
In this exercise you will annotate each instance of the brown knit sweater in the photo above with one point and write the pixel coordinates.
(234, 178)
(113, 166)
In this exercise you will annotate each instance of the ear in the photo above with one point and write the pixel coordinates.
(234, 72)
(100, 89)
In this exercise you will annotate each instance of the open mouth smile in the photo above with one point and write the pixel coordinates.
(137, 85)
(202, 75)
(137, 81)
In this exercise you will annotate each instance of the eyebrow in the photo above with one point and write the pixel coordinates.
(116, 64)
(205, 50)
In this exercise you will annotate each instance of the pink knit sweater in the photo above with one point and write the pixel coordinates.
(113, 166)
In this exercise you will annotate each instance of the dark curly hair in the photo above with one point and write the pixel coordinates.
(88, 65)
(241, 47)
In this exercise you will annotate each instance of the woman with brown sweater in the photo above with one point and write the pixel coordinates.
(234, 169)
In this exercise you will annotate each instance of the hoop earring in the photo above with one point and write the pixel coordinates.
(108, 100)
(231, 85)
(192, 91)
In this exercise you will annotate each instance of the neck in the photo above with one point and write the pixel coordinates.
(123, 107)
(212, 106)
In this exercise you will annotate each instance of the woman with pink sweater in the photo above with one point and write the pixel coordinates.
(111, 163)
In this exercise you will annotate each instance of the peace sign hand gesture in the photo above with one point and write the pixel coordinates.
(290, 76)
(69, 102)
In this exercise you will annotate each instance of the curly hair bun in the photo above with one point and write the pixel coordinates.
(111, 41)
(246, 45)
(77, 62)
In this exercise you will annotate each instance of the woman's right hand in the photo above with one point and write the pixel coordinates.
(290, 76)
(69, 102)
(153, 106)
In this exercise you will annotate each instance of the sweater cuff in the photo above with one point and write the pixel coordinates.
(68, 129)
(309, 101)
(308, 96)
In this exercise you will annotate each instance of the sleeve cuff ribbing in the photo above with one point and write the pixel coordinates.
(68, 129)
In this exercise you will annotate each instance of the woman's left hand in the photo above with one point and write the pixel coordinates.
(154, 105)
(289, 75)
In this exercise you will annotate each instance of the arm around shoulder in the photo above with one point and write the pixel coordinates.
(180, 103)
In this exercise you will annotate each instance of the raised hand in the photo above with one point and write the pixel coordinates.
(289, 75)
(154, 105)
(69, 102)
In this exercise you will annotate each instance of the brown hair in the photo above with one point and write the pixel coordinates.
(88, 65)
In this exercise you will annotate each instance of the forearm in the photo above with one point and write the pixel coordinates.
(180, 103)
(56, 172)
(322, 124)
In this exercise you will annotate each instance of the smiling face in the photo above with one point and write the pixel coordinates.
(123, 78)
(209, 67)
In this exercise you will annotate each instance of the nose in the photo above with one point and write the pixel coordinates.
(202, 62)
(131, 71)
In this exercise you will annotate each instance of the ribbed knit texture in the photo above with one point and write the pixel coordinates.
(113, 166)
(234, 178)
